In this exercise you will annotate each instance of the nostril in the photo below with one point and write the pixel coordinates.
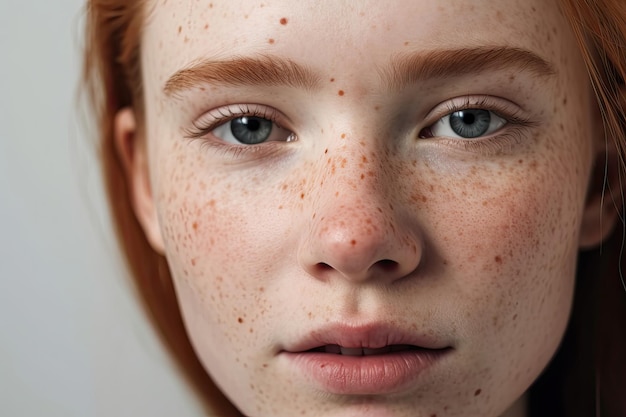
(323, 267)
(387, 265)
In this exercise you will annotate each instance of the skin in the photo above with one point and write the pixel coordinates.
(359, 219)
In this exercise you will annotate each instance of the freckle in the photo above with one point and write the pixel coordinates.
(271, 41)
(302, 196)
(564, 100)
(251, 330)
(376, 108)
(326, 151)
(353, 242)
(406, 43)
(195, 225)
(477, 393)
(332, 80)
(341, 92)
(240, 320)
(193, 262)
(180, 29)
(283, 21)
(498, 259)
(186, 39)
(280, 207)
(206, 26)
(515, 317)
(343, 136)
(362, 176)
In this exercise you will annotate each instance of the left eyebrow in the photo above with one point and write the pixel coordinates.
(407, 69)
(243, 71)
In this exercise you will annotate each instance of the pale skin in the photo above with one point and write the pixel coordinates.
(355, 211)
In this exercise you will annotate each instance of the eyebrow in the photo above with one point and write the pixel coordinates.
(407, 69)
(243, 71)
(403, 70)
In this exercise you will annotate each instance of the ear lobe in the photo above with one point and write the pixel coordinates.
(133, 155)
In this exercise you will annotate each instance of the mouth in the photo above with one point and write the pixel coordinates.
(362, 351)
(365, 360)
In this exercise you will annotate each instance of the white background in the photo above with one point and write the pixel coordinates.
(73, 341)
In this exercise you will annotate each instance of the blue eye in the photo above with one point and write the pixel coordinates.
(251, 130)
(466, 124)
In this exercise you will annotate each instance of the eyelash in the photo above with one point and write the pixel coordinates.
(224, 115)
(510, 134)
(203, 127)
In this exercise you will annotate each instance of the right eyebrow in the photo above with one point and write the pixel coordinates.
(262, 70)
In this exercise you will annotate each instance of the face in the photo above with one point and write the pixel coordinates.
(369, 208)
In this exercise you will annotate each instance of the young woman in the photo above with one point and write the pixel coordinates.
(372, 208)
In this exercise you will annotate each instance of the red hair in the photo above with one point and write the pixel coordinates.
(591, 375)
(112, 77)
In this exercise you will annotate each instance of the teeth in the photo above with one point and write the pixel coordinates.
(351, 351)
(332, 349)
(378, 351)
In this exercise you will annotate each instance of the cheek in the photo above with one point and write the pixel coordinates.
(508, 239)
(224, 233)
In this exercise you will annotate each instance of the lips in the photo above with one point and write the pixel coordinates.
(360, 351)
(372, 359)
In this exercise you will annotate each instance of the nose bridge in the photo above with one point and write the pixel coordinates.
(352, 193)
(354, 233)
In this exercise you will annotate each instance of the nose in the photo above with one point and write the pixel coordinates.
(356, 233)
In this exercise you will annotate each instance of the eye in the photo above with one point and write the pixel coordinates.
(241, 125)
(465, 124)
(251, 130)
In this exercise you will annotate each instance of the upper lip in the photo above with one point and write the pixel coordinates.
(368, 336)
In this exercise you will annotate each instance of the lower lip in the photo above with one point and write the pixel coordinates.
(365, 375)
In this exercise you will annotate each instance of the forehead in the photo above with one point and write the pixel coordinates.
(338, 34)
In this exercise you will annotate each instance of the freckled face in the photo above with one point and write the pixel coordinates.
(448, 207)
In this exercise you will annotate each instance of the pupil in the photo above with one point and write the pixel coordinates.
(251, 130)
(470, 123)
(252, 124)
(468, 118)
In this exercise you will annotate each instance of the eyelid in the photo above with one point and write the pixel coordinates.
(509, 135)
(505, 109)
(221, 115)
